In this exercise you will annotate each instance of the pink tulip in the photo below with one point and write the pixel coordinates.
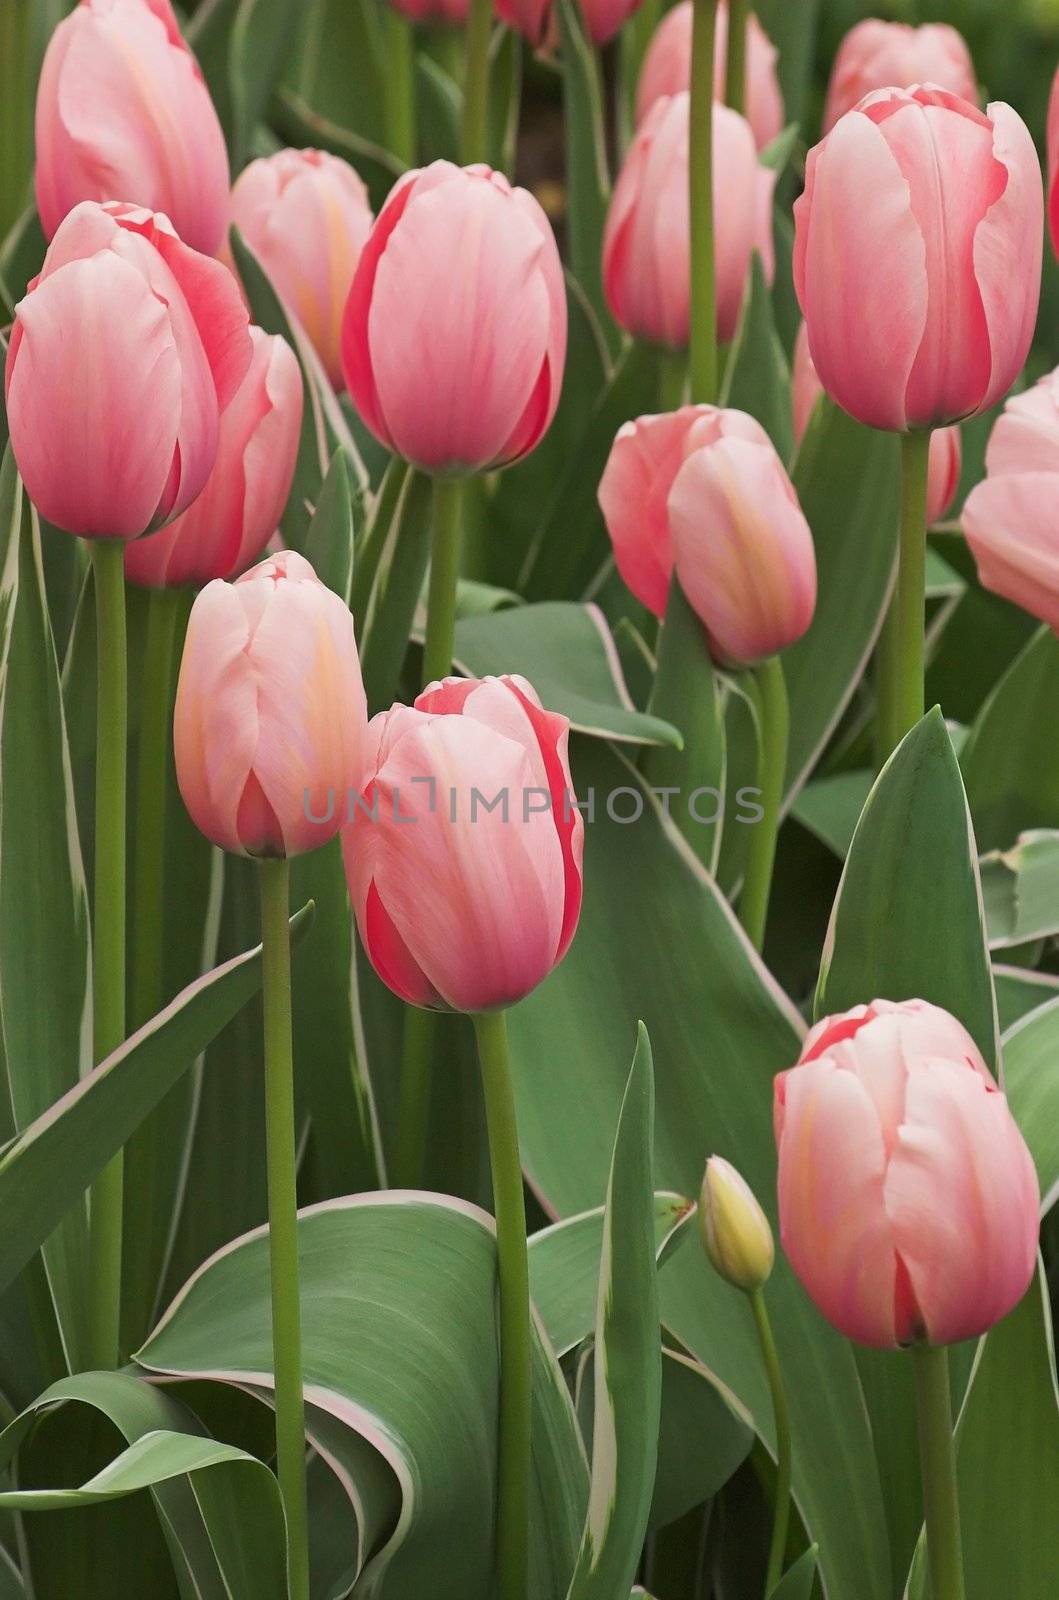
(884, 55)
(240, 508)
(946, 450)
(306, 216)
(123, 113)
(666, 69)
(908, 1199)
(535, 19)
(917, 257)
(271, 720)
(1053, 164)
(644, 460)
(743, 550)
(464, 856)
(1010, 520)
(454, 338)
(452, 11)
(646, 261)
(123, 354)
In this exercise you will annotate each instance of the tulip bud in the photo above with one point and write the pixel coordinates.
(883, 55)
(454, 338)
(646, 251)
(464, 855)
(1053, 164)
(123, 113)
(735, 1231)
(123, 354)
(666, 69)
(908, 1199)
(271, 719)
(917, 258)
(306, 216)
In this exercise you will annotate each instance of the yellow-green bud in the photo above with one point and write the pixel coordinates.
(735, 1231)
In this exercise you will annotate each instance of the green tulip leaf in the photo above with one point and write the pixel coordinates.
(1011, 771)
(1031, 1079)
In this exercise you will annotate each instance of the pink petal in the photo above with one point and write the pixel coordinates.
(1008, 249)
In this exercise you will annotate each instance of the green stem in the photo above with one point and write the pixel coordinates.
(512, 1517)
(399, 87)
(772, 768)
(735, 71)
(700, 177)
(283, 1216)
(672, 378)
(905, 664)
(886, 735)
(148, 881)
(413, 1115)
(474, 128)
(938, 1463)
(446, 536)
(781, 1412)
(108, 944)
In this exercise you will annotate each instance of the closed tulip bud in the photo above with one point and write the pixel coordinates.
(945, 462)
(240, 508)
(742, 548)
(271, 719)
(1053, 164)
(883, 55)
(454, 338)
(633, 492)
(123, 354)
(917, 257)
(908, 1199)
(1010, 519)
(123, 113)
(464, 855)
(735, 1231)
(306, 216)
(666, 69)
(535, 20)
(646, 251)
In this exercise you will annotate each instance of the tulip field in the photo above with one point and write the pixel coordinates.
(529, 799)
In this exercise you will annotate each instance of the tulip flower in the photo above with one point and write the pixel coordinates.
(306, 216)
(735, 1231)
(271, 719)
(123, 354)
(1053, 164)
(1010, 519)
(123, 113)
(666, 69)
(240, 508)
(646, 253)
(535, 19)
(883, 55)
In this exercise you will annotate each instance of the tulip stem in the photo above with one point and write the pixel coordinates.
(446, 537)
(937, 1456)
(283, 1216)
(700, 178)
(474, 128)
(512, 1535)
(735, 76)
(410, 1145)
(774, 712)
(108, 943)
(399, 87)
(781, 1412)
(152, 771)
(906, 657)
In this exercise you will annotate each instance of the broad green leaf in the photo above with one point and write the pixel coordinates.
(704, 1437)
(830, 808)
(1020, 888)
(586, 160)
(758, 379)
(261, 39)
(402, 569)
(1011, 771)
(797, 1581)
(1018, 992)
(982, 637)
(439, 102)
(333, 531)
(341, 43)
(1031, 1079)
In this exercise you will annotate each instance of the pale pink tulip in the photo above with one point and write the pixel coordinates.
(892, 55)
(1053, 164)
(306, 216)
(1011, 520)
(646, 256)
(535, 19)
(917, 256)
(123, 354)
(240, 508)
(644, 459)
(464, 856)
(123, 113)
(271, 720)
(454, 339)
(453, 11)
(666, 69)
(908, 1199)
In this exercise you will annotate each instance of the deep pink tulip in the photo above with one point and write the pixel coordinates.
(536, 22)
(646, 253)
(453, 11)
(240, 508)
(946, 450)
(123, 113)
(123, 354)
(454, 338)
(464, 857)
(271, 720)
(884, 55)
(1053, 164)
(306, 216)
(742, 547)
(908, 1199)
(1011, 521)
(667, 69)
(644, 459)
(917, 257)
